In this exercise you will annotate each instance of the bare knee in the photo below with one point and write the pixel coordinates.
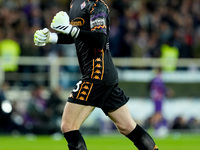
(66, 127)
(74, 115)
(123, 120)
(125, 129)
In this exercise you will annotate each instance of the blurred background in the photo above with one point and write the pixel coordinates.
(155, 46)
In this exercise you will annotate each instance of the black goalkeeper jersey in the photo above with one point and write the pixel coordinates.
(94, 59)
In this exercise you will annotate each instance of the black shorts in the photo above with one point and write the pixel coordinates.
(106, 97)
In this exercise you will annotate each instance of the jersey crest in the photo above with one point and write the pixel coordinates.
(83, 5)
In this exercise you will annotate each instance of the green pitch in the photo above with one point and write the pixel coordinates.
(114, 142)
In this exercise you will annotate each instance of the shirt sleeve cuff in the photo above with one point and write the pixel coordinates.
(53, 38)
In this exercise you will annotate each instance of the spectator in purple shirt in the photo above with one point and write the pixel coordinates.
(157, 91)
(157, 94)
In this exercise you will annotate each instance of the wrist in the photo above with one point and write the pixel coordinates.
(74, 31)
(53, 38)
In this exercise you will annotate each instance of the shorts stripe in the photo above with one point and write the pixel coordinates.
(89, 92)
(84, 91)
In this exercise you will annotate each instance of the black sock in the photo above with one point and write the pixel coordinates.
(142, 139)
(75, 140)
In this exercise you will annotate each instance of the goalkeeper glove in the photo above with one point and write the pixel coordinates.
(61, 24)
(42, 37)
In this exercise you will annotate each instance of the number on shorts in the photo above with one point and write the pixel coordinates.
(77, 86)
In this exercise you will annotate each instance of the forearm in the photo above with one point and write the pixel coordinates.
(64, 39)
(93, 39)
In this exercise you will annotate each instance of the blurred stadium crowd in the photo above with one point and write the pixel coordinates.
(38, 113)
(139, 28)
(41, 111)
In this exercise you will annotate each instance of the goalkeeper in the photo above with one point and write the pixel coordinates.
(88, 27)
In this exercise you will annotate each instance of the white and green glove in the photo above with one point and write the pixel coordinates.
(62, 24)
(44, 36)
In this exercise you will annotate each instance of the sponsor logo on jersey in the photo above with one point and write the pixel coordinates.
(81, 98)
(97, 22)
(78, 22)
(96, 77)
(83, 93)
(98, 66)
(97, 72)
(86, 87)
